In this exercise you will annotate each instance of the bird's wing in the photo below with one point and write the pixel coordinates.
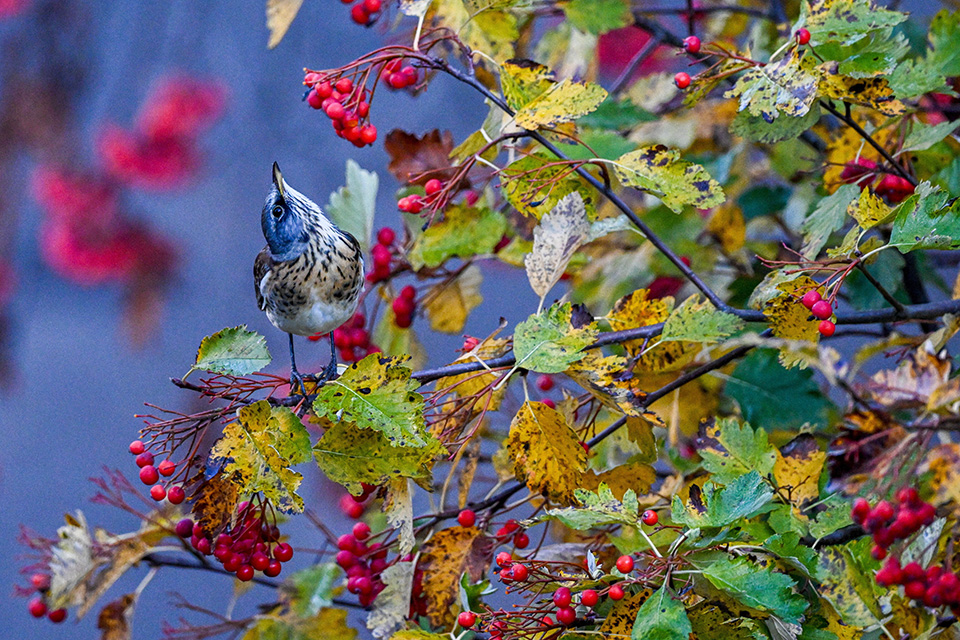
(261, 267)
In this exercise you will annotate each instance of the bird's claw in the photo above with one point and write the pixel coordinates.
(296, 378)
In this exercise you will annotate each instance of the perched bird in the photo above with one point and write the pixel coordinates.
(309, 276)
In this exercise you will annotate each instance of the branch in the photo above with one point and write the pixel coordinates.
(853, 124)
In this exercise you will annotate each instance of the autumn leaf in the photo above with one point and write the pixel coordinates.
(797, 470)
(610, 380)
(631, 476)
(392, 605)
(623, 615)
(398, 341)
(548, 342)
(728, 226)
(115, 618)
(412, 155)
(398, 507)
(471, 384)
(449, 303)
(638, 309)
(869, 210)
(377, 393)
(846, 21)
(778, 296)
(562, 102)
(546, 452)
(280, 15)
(234, 351)
(329, 623)
(352, 206)
(523, 80)
(449, 554)
(599, 507)
(262, 445)
(214, 500)
(464, 232)
(787, 86)
(696, 321)
(598, 16)
(730, 449)
(559, 234)
(828, 217)
(868, 92)
(660, 172)
(714, 506)
(535, 183)
(844, 584)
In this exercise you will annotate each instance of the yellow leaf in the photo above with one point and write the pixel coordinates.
(546, 452)
(494, 32)
(846, 146)
(449, 303)
(788, 318)
(869, 210)
(443, 559)
(618, 625)
(797, 469)
(398, 506)
(637, 310)
(280, 14)
(562, 102)
(523, 80)
(472, 384)
(635, 475)
(728, 227)
(868, 92)
(215, 500)
(609, 379)
(660, 171)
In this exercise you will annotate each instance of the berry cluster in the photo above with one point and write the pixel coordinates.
(347, 107)
(511, 529)
(40, 582)
(352, 340)
(382, 255)
(397, 76)
(363, 563)
(415, 203)
(821, 309)
(889, 523)
(150, 474)
(403, 307)
(933, 587)
(365, 12)
(863, 171)
(354, 507)
(252, 544)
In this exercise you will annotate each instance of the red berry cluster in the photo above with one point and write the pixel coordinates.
(415, 203)
(934, 587)
(864, 171)
(365, 12)
(382, 254)
(40, 582)
(821, 309)
(352, 340)
(354, 507)
(252, 544)
(511, 528)
(398, 76)
(150, 474)
(403, 307)
(347, 107)
(889, 523)
(363, 563)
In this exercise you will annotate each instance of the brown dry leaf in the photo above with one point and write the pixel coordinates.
(411, 155)
(443, 559)
(869, 92)
(922, 381)
(637, 310)
(114, 619)
(634, 475)
(215, 501)
(449, 303)
(797, 469)
(546, 452)
(618, 625)
(728, 227)
(280, 14)
(556, 238)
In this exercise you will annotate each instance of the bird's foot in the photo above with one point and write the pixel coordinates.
(297, 379)
(329, 372)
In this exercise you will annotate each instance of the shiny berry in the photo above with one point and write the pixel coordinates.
(157, 492)
(908, 495)
(347, 542)
(361, 531)
(166, 468)
(359, 15)
(350, 507)
(682, 80)
(519, 572)
(810, 298)
(545, 383)
(245, 573)
(562, 597)
(650, 518)
(589, 598)
(860, 510)
(408, 292)
(372, 6)
(386, 236)
(37, 608)
(57, 616)
(821, 309)
(368, 134)
(504, 559)
(432, 186)
(144, 459)
(467, 518)
(826, 328)
(335, 111)
(566, 615)
(40, 581)
(283, 552)
(314, 99)
(616, 592)
(625, 564)
(136, 447)
(149, 475)
(184, 528)
(466, 619)
(915, 590)
(259, 561)
(802, 36)
(344, 85)
(521, 541)
(691, 44)
(273, 569)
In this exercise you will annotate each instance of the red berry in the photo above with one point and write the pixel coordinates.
(283, 552)
(166, 468)
(347, 542)
(40, 581)
(466, 619)
(504, 559)
(149, 475)
(545, 383)
(691, 44)
(397, 80)
(314, 99)
(566, 615)
(361, 531)
(273, 569)
(915, 590)
(402, 306)
(616, 592)
(350, 507)
(368, 134)
(184, 528)
(359, 15)
(927, 513)
(57, 616)
(682, 80)
(408, 293)
(363, 109)
(883, 511)
(467, 518)
(826, 328)
(144, 459)
(157, 492)
(856, 172)
(908, 495)
(650, 518)
(894, 188)
(324, 90)
(521, 541)
(802, 36)
(625, 564)
(519, 572)
(381, 255)
(821, 309)
(344, 85)
(432, 186)
(511, 526)
(203, 546)
(860, 510)
(37, 608)
(259, 561)
(372, 6)
(913, 572)
(878, 552)
(589, 598)
(562, 597)
(136, 447)
(335, 111)
(386, 236)
(810, 298)
(245, 573)
(410, 74)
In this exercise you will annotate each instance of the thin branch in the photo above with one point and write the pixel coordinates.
(645, 52)
(896, 304)
(853, 124)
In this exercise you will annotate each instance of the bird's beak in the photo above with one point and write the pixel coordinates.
(278, 179)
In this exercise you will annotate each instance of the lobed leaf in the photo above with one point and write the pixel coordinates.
(696, 321)
(659, 171)
(730, 449)
(757, 587)
(548, 342)
(925, 221)
(744, 497)
(234, 351)
(662, 617)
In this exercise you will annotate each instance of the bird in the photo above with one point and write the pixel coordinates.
(309, 277)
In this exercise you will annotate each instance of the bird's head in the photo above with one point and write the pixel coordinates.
(286, 218)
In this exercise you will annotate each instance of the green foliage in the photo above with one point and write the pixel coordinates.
(234, 351)
(464, 232)
(352, 206)
(660, 171)
(313, 589)
(716, 507)
(662, 617)
(598, 16)
(785, 87)
(757, 587)
(548, 342)
(696, 321)
(924, 221)
(828, 217)
(598, 509)
(730, 449)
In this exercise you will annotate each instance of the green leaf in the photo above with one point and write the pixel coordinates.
(261, 446)
(522, 81)
(598, 16)
(773, 397)
(548, 343)
(846, 22)
(598, 509)
(616, 115)
(877, 54)
(235, 351)
(757, 588)
(847, 587)
(745, 497)
(924, 222)
(730, 449)
(924, 136)
(464, 232)
(534, 187)
(828, 217)
(786, 86)
(350, 455)
(563, 102)
(312, 589)
(789, 547)
(352, 207)
(835, 515)
(659, 171)
(377, 393)
(695, 321)
(662, 617)
(757, 129)
(945, 42)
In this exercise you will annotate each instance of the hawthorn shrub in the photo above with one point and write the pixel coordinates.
(736, 418)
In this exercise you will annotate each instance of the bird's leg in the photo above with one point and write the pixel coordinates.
(295, 377)
(330, 372)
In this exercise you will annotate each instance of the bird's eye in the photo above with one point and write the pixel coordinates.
(277, 211)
